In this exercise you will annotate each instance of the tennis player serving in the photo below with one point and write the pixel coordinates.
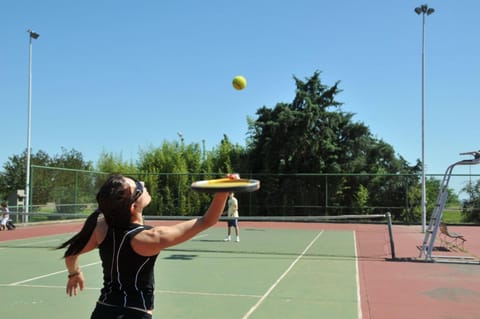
(128, 248)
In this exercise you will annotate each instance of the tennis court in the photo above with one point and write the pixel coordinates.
(278, 270)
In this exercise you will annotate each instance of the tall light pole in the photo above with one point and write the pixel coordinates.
(32, 35)
(423, 10)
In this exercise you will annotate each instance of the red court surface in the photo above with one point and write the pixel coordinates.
(409, 289)
(403, 288)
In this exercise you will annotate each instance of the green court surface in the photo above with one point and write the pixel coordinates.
(271, 273)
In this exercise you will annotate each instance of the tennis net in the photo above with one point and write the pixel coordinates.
(374, 229)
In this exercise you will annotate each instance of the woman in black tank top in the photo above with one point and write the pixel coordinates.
(128, 249)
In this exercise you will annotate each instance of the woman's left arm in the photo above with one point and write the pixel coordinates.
(75, 274)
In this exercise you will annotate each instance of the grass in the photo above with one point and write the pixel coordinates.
(452, 216)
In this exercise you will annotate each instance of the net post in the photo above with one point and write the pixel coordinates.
(390, 234)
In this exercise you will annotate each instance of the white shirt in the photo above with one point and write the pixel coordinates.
(232, 207)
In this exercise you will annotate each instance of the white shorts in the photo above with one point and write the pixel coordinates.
(4, 221)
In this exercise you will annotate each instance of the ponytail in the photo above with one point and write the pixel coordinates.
(114, 201)
(77, 242)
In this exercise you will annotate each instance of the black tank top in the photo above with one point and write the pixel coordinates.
(128, 279)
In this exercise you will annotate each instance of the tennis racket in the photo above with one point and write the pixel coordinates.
(226, 185)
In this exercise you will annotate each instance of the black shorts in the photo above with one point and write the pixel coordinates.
(232, 222)
(112, 312)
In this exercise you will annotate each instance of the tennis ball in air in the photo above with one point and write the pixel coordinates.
(239, 82)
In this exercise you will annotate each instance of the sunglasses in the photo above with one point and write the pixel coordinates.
(138, 190)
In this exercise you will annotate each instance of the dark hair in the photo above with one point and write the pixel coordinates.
(114, 200)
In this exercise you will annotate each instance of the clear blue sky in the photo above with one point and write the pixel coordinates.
(121, 76)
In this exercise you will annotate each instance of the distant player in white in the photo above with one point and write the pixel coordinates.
(232, 214)
(5, 217)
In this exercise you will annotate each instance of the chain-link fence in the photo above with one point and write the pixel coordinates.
(59, 193)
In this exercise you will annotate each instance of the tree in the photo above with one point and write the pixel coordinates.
(361, 199)
(66, 184)
(48, 185)
(313, 135)
(111, 163)
(13, 177)
(227, 157)
(166, 171)
(471, 206)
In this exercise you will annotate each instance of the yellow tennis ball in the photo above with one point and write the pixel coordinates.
(239, 82)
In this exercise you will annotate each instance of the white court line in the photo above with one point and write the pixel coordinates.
(357, 275)
(44, 286)
(32, 243)
(48, 275)
(37, 242)
(205, 294)
(172, 292)
(260, 301)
